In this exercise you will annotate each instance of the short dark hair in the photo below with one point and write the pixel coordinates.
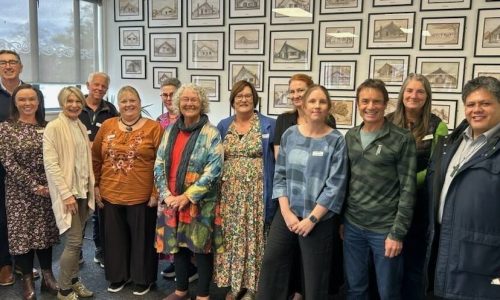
(376, 84)
(40, 112)
(238, 87)
(7, 51)
(488, 83)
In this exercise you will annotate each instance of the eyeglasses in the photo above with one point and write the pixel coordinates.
(165, 95)
(241, 97)
(4, 63)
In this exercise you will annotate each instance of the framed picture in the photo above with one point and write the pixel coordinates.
(338, 75)
(129, 10)
(446, 110)
(292, 11)
(160, 74)
(277, 100)
(165, 47)
(344, 111)
(391, 69)
(444, 4)
(205, 13)
(247, 8)
(211, 84)
(247, 39)
(445, 74)
(377, 3)
(205, 50)
(391, 30)
(290, 50)
(164, 13)
(488, 33)
(442, 33)
(492, 70)
(133, 66)
(131, 37)
(340, 7)
(251, 71)
(339, 37)
(391, 104)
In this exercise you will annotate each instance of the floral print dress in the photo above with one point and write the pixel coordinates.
(30, 220)
(242, 210)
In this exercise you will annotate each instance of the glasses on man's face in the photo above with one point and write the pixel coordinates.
(246, 97)
(3, 63)
(165, 95)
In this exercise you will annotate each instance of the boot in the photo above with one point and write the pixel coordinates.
(28, 287)
(49, 283)
(6, 276)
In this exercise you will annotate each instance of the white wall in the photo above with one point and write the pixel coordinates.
(220, 109)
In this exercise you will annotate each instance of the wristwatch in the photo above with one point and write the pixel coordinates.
(313, 219)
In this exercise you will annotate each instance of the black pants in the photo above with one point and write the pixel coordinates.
(205, 264)
(129, 243)
(25, 261)
(5, 258)
(316, 255)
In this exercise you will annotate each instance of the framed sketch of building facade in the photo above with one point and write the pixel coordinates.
(488, 33)
(290, 50)
(165, 47)
(247, 8)
(131, 37)
(446, 109)
(251, 71)
(292, 11)
(442, 33)
(444, 4)
(339, 37)
(340, 6)
(133, 66)
(445, 74)
(211, 84)
(205, 50)
(164, 13)
(205, 13)
(277, 99)
(129, 10)
(344, 111)
(160, 74)
(394, 30)
(391, 69)
(338, 75)
(247, 39)
(492, 70)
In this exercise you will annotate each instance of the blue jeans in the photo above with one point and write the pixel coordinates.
(357, 245)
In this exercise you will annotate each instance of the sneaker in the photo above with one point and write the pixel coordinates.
(99, 258)
(193, 273)
(117, 286)
(142, 289)
(71, 296)
(81, 291)
(169, 271)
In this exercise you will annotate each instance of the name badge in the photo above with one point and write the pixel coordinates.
(89, 132)
(428, 137)
(317, 153)
(98, 124)
(40, 130)
(110, 137)
(265, 135)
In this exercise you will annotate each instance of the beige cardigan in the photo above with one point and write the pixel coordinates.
(59, 161)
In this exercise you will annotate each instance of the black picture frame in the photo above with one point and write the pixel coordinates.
(444, 30)
(328, 43)
(133, 67)
(255, 10)
(487, 33)
(383, 3)
(203, 16)
(251, 44)
(445, 74)
(425, 5)
(132, 10)
(165, 16)
(281, 18)
(297, 42)
(165, 47)
(131, 38)
(346, 7)
(212, 58)
(390, 34)
(242, 70)
(338, 75)
(160, 75)
(211, 84)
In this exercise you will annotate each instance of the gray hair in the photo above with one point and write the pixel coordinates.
(488, 83)
(171, 81)
(102, 74)
(201, 94)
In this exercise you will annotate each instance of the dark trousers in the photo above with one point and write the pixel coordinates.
(5, 258)
(205, 264)
(316, 255)
(129, 243)
(98, 233)
(25, 261)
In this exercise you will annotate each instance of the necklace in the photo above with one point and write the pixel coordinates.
(128, 127)
(465, 156)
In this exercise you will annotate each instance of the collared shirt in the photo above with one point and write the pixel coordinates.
(468, 147)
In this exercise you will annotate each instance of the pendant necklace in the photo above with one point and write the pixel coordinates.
(128, 127)
(466, 157)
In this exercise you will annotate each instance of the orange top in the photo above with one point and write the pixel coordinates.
(123, 161)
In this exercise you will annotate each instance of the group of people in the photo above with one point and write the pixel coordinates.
(269, 209)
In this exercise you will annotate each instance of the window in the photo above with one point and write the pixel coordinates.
(61, 34)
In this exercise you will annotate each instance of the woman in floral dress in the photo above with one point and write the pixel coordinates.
(30, 219)
(246, 189)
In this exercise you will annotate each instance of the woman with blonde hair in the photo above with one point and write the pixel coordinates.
(68, 166)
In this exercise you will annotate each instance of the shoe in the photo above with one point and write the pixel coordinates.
(193, 273)
(28, 287)
(18, 271)
(7, 276)
(117, 286)
(80, 260)
(49, 283)
(174, 296)
(81, 291)
(142, 289)
(99, 258)
(169, 271)
(71, 296)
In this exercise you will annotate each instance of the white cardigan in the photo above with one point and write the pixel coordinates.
(59, 162)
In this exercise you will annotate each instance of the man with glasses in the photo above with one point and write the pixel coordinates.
(95, 111)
